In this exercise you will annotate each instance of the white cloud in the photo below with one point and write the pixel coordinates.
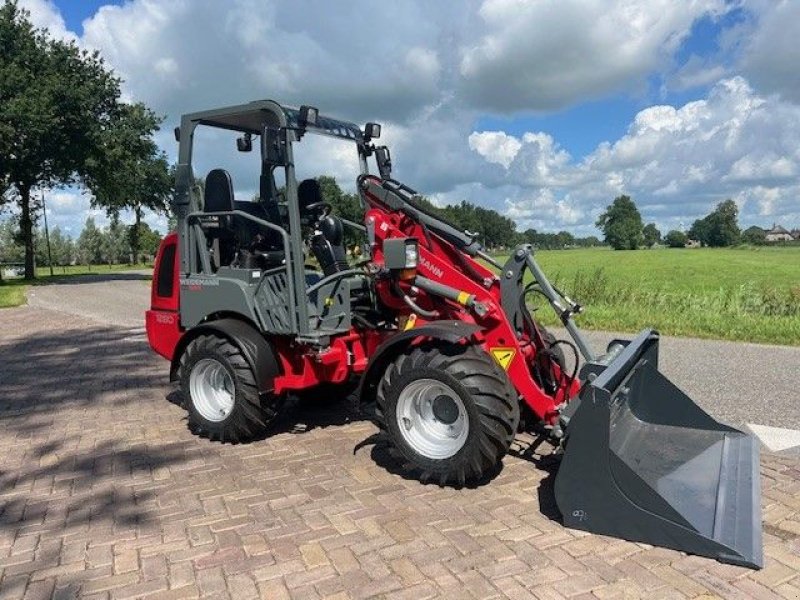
(771, 53)
(734, 143)
(430, 71)
(495, 146)
(182, 56)
(44, 14)
(545, 55)
(697, 72)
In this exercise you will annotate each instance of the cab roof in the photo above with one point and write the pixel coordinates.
(254, 116)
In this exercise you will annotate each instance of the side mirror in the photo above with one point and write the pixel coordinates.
(384, 160)
(177, 133)
(245, 143)
(372, 131)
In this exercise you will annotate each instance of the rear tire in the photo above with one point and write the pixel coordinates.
(449, 413)
(221, 393)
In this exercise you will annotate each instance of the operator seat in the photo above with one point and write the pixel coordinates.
(327, 241)
(236, 239)
(218, 197)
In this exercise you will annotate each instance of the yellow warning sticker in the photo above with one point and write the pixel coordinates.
(504, 356)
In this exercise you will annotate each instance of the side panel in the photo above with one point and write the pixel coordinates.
(163, 331)
(162, 321)
(204, 295)
(164, 291)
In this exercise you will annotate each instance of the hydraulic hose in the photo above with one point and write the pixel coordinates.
(428, 314)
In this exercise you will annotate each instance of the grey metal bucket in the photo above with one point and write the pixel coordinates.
(645, 463)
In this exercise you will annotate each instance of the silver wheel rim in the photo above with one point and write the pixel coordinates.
(432, 418)
(212, 390)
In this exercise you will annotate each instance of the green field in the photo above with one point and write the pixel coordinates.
(750, 294)
(12, 291)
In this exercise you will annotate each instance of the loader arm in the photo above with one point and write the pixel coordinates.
(642, 461)
(451, 284)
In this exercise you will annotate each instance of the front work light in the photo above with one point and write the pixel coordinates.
(372, 131)
(308, 116)
(401, 256)
(412, 254)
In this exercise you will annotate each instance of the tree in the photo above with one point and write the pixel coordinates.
(719, 228)
(132, 172)
(115, 247)
(676, 239)
(723, 225)
(40, 247)
(346, 206)
(651, 235)
(700, 231)
(62, 248)
(56, 102)
(149, 239)
(10, 248)
(754, 235)
(89, 247)
(621, 224)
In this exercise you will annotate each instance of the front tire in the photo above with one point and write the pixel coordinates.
(449, 413)
(221, 393)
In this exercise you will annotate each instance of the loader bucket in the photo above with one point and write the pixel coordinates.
(644, 463)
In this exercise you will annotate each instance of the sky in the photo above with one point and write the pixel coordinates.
(544, 110)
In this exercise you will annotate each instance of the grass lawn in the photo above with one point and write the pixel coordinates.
(750, 294)
(12, 291)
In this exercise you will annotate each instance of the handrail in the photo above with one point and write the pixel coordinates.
(333, 277)
(286, 249)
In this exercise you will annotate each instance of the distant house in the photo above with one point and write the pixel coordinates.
(690, 243)
(795, 234)
(778, 234)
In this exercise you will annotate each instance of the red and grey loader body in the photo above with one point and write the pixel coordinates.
(450, 361)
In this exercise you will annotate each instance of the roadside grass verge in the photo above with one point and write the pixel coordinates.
(12, 291)
(745, 294)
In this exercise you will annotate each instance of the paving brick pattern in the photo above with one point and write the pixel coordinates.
(104, 493)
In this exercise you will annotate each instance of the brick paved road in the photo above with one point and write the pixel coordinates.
(105, 493)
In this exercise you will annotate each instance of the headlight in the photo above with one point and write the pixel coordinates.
(401, 253)
(412, 253)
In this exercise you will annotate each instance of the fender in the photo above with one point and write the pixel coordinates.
(256, 348)
(448, 331)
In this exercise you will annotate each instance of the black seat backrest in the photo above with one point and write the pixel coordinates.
(327, 244)
(308, 192)
(218, 197)
(218, 194)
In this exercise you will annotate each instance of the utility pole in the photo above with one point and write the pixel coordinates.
(47, 235)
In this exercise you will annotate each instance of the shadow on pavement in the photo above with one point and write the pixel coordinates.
(72, 432)
(94, 278)
(44, 371)
(546, 463)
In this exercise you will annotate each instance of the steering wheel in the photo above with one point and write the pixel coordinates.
(325, 206)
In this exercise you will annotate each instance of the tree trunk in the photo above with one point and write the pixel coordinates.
(26, 228)
(135, 235)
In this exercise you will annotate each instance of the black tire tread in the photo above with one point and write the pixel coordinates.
(494, 398)
(249, 418)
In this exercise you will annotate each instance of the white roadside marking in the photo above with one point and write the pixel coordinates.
(776, 439)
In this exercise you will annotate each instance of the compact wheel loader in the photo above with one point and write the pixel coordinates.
(450, 362)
